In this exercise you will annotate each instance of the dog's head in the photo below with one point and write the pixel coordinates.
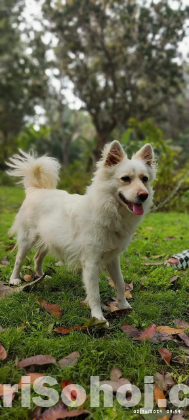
(130, 178)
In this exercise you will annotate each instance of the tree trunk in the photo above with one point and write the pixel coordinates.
(102, 139)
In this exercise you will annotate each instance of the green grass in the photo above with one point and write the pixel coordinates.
(154, 300)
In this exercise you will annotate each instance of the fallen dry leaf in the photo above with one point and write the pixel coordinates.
(59, 411)
(32, 376)
(115, 374)
(129, 286)
(169, 330)
(116, 384)
(159, 337)
(118, 313)
(8, 394)
(51, 308)
(128, 294)
(149, 227)
(5, 261)
(159, 395)
(131, 331)
(185, 338)
(169, 238)
(112, 306)
(147, 334)
(110, 281)
(69, 360)
(40, 359)
(67, 330)
(165, 354)
(155, 263)
(27, 277)
(174, 278)
(164, 381)
(72, 393)
(3, 353)
(179, 323)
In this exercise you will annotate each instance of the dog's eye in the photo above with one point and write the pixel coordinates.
(144, 179)
(126, 179)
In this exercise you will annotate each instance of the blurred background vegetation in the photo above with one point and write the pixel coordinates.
(76, 74)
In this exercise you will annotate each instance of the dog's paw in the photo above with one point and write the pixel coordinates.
(124, 305)
(14, 282)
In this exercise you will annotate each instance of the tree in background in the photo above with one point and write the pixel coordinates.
(120, 55)
(22, 77)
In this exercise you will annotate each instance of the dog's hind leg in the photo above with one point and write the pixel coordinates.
(38, 261)
(116, 275)
(24, 246)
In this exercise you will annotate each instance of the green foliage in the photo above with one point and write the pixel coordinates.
(121, 56)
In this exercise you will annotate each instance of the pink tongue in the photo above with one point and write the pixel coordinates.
(137, 209)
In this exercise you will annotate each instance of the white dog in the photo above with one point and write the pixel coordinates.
(90, 231)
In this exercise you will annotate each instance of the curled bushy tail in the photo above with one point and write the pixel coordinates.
(34, 172)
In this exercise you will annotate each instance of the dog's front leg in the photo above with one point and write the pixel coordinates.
(91, 282)
(116, 275)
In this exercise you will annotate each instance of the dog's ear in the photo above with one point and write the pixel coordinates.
(113, 153)
(146, 153)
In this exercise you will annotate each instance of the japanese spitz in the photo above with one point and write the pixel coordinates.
(88, 231)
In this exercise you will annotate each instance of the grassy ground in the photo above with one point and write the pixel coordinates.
(154, 300)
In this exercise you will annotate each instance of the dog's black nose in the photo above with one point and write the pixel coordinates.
(142, 196)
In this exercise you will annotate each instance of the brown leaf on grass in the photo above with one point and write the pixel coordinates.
(149, 227)
(72, 393)
(67, 330)
(32, 376)
(145, 258)
(179, 323)
(39, 359)
(131, 331)
(51, 308)
(112, 306)
(110, 282)
(5, 261)
(3, 353)
(164, 381)
(174, 278)
(116, 384)
(159, 395)
(169, 330)
(69, 360)
(165, 354)
(159, 337)
(169, 238)
(27, 277)
(10, 247)
(129, 286)
(178, 417)
(185, 338)
(118, 313)
(8, 394)
(147, 334)
(5, 290)
(59, 411)
(115, 374)
(154, 263)
(128, 295)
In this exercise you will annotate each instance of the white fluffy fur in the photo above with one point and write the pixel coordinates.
(90, 231)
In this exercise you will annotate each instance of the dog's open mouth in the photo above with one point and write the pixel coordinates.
(135, 208)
